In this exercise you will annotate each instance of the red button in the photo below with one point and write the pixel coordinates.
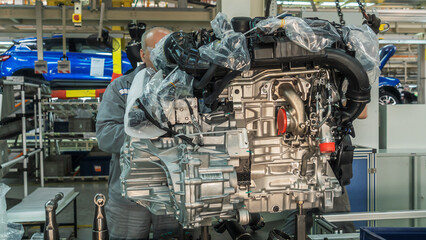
(328, 147)
(76, 17)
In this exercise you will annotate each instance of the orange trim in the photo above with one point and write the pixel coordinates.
(402, 56)
(99, 92)
(19, 104)
(22, 153)
(62, 94)
(115, 75)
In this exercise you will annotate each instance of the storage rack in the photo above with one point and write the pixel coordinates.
(38, 150)
(69, 141)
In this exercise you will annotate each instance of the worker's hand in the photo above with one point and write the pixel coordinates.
(363, 114)
(373, 22)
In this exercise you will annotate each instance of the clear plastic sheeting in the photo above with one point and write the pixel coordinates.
(313, 35)
(9, 231)
(365, 43)
(270, 25)
(37, 236)
(3, 208)
(230, 50)
(157, 95)
(134, 116)
(158, 57)
(221, 26)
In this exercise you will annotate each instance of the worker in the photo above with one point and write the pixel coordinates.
(125, 218)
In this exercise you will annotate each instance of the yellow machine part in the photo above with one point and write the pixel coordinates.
(59, 2)
(122, 3)
(116, 54)
(80, 93)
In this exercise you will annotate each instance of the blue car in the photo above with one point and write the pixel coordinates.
(19, 61)
(388, 86)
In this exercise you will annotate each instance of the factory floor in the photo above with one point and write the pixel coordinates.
(85, 207)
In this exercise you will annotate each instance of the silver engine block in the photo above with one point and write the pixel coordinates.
(263, 155)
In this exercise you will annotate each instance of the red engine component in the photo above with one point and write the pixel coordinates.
(282, 121)
(327, 147)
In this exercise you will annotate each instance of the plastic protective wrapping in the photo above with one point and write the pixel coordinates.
(365, 43)
(37, 236)
(9, 231)
(134, 116)
(230, 50)
(158, 57)
(313, 35)
(157, 95)
(221, 26)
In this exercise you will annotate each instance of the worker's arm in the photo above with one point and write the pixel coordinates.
(110, 120)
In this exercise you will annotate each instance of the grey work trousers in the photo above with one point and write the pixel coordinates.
(133, 222)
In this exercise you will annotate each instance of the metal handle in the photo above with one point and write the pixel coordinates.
(385, 29)
(100, 228)
(51, 231)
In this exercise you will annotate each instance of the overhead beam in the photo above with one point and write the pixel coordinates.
(122, 14)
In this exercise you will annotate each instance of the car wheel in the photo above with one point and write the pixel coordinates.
(388, 98)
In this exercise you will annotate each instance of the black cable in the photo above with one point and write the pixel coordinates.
(221, 85)
(206, 77)
(157, 124)
(268, 7)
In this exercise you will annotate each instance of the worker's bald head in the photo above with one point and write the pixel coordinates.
(149, 39)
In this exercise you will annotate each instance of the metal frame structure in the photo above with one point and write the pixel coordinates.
(20, 19)
(373, 216)
(39, 149)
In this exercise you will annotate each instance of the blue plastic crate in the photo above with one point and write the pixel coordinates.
(388, 233)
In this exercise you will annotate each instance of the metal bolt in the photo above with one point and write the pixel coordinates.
(237, 91)
(276, 209)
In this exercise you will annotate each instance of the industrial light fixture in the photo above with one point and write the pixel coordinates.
(328, 4)
(293, 3)
(352, 4)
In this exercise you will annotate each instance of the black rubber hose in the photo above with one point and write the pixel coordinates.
(267, 7)
(207, 77)
(218, 90)
(358, 92)
(276, 234)
(255, 218)
(236, 231)
(157, 124)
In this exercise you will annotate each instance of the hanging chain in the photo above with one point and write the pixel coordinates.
(339, 12)
(361, 7)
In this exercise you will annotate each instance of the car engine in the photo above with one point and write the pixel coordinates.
(262, 126)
